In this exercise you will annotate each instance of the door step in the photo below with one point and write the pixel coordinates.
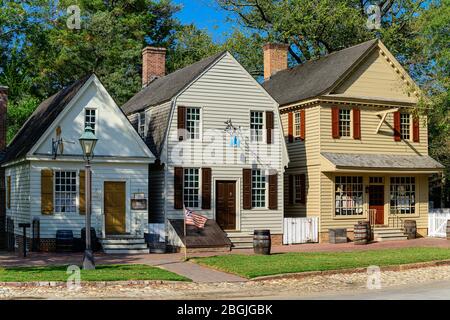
(124, 244)
(381, 234)
(240, 240)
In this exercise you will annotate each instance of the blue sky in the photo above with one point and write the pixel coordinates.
(206, 15)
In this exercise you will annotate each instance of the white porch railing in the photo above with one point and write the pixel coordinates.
(437, 222)
(301, 230)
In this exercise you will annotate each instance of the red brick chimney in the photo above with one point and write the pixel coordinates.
(275, 58)
(3, 116)
(153, 64)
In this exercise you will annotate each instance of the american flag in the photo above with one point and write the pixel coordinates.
(194, 219)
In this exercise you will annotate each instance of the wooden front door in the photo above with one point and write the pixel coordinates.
(376, 201)
(226, 204)
(114, 206)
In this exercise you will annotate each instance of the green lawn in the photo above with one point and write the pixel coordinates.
(101, 273)
(251, 266)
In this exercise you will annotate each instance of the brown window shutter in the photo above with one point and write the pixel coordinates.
(247, 188)
(82, 202)
(8, 195)
(206, 188)
(291, 189)
(356, 124)
(335, 122)
(416, 130)
(291, 127)
(273, 191)
(303, 188)
(181, 116)
(47, 191)
(269, 126)
(397, 136)
(302, 124)
(178, 188)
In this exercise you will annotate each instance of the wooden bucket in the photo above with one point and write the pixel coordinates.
(410, 228)
(360, 231)
(262, 242)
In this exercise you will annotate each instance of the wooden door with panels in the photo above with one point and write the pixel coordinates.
(376, 201)
(226, 204)
(115, 207)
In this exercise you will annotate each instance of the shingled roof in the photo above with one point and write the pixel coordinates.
(40, 120)
(314, 77)
(165, 88)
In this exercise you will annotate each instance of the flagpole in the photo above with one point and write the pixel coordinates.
(185, 234)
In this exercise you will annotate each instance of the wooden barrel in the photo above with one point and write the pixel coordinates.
(369, 230)
(410, 228)
(448, 229)
(360, 231)
(261, 241)
(64, 240)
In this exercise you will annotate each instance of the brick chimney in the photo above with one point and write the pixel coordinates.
(275, 58)
(3, 115)
(153, 64)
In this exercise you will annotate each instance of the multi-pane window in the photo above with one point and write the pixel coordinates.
(141, 124)
(348, 195)
(376, 180)
(297, 124)
(299, 188)
(191, 187)
(403, 195)
(256, 126)
(89, 118)
(258, 189)
(405, 125)
(193, 123)
(65, 191)
(344, 122)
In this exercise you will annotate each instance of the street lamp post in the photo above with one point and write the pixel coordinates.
(87, 142)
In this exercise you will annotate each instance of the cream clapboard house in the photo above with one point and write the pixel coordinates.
(188, 119)
(44, 169)
(352, 139)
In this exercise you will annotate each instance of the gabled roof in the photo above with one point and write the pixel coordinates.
(315, 77)
(165, 88)
(40, 120)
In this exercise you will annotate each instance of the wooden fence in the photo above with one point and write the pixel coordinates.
(301, 230)
(437, 222)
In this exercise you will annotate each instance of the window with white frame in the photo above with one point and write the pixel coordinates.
(348, 195)
(405, 126)
(193, 123)
(297, 124)
(90, 118)
(258, 189)
(65, 191)
(256, 126)
(299, 188)
(191, 188)
(344, 122)
(141, 124)
(403, 195)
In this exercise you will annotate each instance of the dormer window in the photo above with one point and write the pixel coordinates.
(90, 118)
(141, 124)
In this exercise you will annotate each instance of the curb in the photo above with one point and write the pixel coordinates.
(400, 267)
(89, 283)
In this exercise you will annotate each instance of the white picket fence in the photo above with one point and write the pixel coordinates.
(437, 222)
(301, 230)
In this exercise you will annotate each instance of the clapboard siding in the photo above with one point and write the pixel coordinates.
(135, 176)
(156, 195)
(225, 92)
(19, 210)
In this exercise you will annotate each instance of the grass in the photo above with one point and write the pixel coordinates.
(101, 273)
(251, 266)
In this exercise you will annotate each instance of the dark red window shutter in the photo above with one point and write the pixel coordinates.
(302, 124)
(335, 122)
(357, 124)
(269, 126)
(291, 189)
(206, 188)
(416, 130)
(273, 191)
(397, 136)
(291, 127)
(178, 188)
(302, 188)
(247, 188)
(181, 116)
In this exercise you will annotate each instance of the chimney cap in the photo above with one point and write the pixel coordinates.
(150, 48)
(276, 45)
(3, 88)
